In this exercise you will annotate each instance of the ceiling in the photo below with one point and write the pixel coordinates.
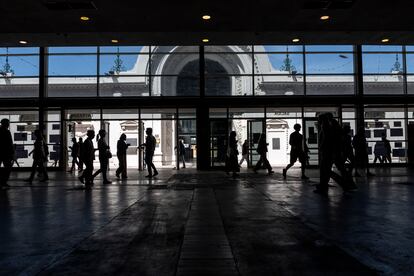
(56, 22)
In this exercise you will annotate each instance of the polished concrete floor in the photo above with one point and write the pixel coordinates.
(205, 223)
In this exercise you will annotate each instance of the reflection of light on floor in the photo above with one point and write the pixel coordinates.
(289, 93)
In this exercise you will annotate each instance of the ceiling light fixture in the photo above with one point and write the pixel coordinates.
(84, 18)
(23, 42)
(206, 17)
(324, 17)
(385, 40)
(205, 40)
(114, 40)
(295, 40)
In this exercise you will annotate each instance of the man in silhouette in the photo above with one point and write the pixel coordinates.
(89, 156)
(6, 153)
(149, 145)
(297, 151)
(361, 152)
(387, 149)
(348, 149)
(245, 152)
(81, 154)
(74, 154)
(262, 151)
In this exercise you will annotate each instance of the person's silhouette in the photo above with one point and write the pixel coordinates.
(297, 151)
(88, 158)
(387, 149)
(232, 164)
(181, 152)
(104, 155)
(262, 151)
(245, 152)
(361, 152)
(121, 153)
(6, 153)
(347, 148)
(39, 157)
(81, 154)
(74, 154)
(149, 145)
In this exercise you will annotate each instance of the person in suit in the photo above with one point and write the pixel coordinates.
(149, 145)
(7, 153)
(121, 153)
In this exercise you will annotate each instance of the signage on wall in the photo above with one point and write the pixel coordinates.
(80, 117)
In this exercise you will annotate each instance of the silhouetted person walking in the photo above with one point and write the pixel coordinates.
(232, 164)
(74, 154)
(331, 151)
(379, 152)
(245, 152)
(104, 155)
(387, 149)
(6, 153)
(262, 151)
(39, 157)
(348, 149)
(81, 154)
(88, 158)
(149, 145)
(121, 153)
(297, 151)
(181, 152)
(361, 152)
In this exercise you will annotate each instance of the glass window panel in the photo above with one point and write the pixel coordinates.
(123, 86)
(330, 85)
(19, 66)
(383, 84)
(53, 116)
(329, 48)
(174, 49)
(288, 85)
(11, 87)
(158, 113)
(329, 63)
(83, 114)
(283, 112)
(246, 113)
(175, 64)
(122, 64)
(312, 112)
(381, 48)
(348, 113)
(277, 48)
(175, 86)
(19, 50)
(72, 50)
(228, 48)
(228, 64)
(381, 112)
(185, 113)
(218, 112)
(382, 63)
(228, 86)
(124, 49)
(72, 65)
(72, 86)
(278, 63)
(410, 63)
(410, 84)
(120, 114)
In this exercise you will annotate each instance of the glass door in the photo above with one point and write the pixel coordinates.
(254, 131)
(219, 129)
(310, 132)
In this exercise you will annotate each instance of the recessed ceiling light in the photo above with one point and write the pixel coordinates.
(23, 42)
(114, 40)
(84, 18)
(324, 17)
(295, 40)
(385, 40)
(205, 40)
(206, 17)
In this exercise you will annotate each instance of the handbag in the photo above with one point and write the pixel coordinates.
(109, 154)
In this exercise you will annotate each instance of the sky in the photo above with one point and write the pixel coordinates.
(24, 60)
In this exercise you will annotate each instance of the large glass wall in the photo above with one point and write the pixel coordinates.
(19, 72)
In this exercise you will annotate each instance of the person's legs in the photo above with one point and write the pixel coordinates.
(124, 165)
(183, 159)
(34, 167)
(324, 174)
(153, 166)
(148, 161)
(120, 167)
(267, 164)
(258, 164)
(104, 170)
(87, 174)
(6, 171)
(42, 168)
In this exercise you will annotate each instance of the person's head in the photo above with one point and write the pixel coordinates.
(80, 140)
(122, 137)
(233, 135)
(347, 129)
(246, 141)
(297, 127)
(38, 134)
(101, 134)
(73, 140)
(90, 133)
(148, 131)
(5, 123)
(383, 136)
